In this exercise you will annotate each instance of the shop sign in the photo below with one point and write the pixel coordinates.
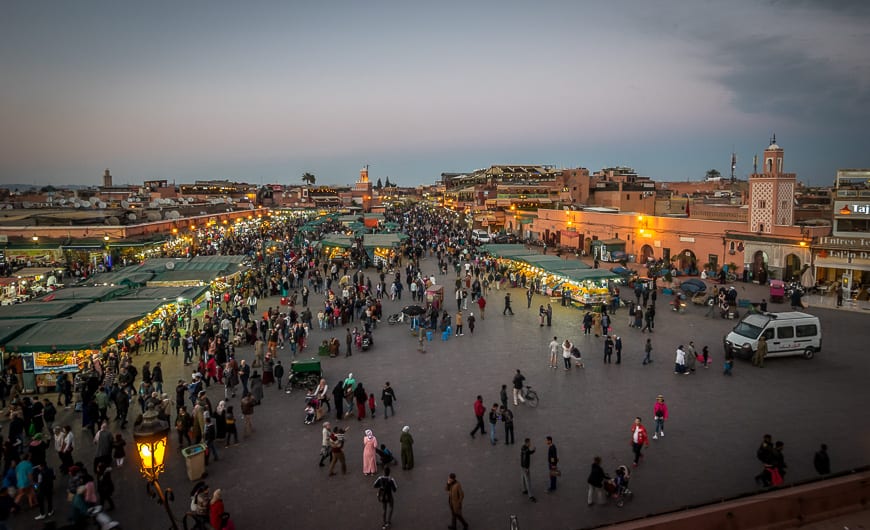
(685, 239)
(851, 242)
(846, 254)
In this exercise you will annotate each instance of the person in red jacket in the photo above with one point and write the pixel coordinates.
(479, 411)
(638, 439)
(660, 413)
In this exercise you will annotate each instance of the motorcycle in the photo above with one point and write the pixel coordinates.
(679, 303)
(367, 341)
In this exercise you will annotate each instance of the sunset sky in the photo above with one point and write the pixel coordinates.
(265, 91)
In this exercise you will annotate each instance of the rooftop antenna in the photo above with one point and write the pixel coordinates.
(755, 163)
(733, 163)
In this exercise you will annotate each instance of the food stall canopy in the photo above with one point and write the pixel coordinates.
(611, 244)
(125, 277)
(181, 278)
(37, 309)
(33, 272)
(66, 334)
(564, 265)
(9, 329)
(101, 293)
(128, 309)
(580, 275)
(540, 260)
(508, 250)
(166, 293)
(337, 240)
(383, 240)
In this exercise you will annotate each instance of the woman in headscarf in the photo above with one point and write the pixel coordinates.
(359, 393)
(370, 444)
(407, 443)
(221, 420)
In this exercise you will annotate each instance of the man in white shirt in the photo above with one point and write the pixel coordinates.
(680, 361)
(554, 352)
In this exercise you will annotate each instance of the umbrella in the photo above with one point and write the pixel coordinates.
(413, 310)
(622, 271)
(693, 286)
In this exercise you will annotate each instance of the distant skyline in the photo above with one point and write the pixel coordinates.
(265, 91)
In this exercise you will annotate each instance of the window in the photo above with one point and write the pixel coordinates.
(627, 197)
(785, 332)
(761, 204)
(731, 246)
(768, 334)
(807, 330)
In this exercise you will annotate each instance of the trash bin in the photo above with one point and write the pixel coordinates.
(194, 460)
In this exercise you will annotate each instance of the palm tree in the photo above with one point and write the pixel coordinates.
(309, 178)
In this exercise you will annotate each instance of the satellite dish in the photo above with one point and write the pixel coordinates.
(170, 265)
(101, 205)
(125, 205)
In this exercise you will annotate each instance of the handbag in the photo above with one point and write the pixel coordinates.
(555, 472)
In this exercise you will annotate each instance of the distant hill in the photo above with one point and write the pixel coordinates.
(24, 187)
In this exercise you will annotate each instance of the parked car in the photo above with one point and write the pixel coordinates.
(505, 238)
(481, 236)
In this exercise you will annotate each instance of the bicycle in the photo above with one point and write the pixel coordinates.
(530, 397)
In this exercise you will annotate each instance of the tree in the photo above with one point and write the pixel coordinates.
(388, 184)
(379, 185)
(309, 178)
(713, 174)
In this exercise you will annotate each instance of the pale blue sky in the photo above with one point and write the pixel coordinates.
(264, 91)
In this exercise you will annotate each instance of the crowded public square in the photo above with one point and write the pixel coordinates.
(430, 395)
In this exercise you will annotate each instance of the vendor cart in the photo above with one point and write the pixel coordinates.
(435, 296)
(304, 373)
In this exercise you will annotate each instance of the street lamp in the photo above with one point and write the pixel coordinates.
(150, 437)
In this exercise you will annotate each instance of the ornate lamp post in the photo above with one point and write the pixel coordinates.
(150, 437)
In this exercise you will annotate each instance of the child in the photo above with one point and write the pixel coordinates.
(309, 413)
(729, 361)
(118, 450)
(372, 404)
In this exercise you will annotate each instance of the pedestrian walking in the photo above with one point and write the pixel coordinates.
(638, 440)
(247, 406)
(554, 352)
(617, 346)
(608, 349)
(526, 452)
(338, 398)
(680, 361)
(760, 352)
(458, 322)
(507, 305)
(370, 445)
(388, 397)
(647, 352)
(325, 449)
(549, 315)
(552, 464)
(455, 498)
(336, 443)
(278, 371)
(519, 381)
(649, 318)
(638, 317)
(471, 322)
(406, 442)
(503, 396)
(387, 487)
(660, 413)
(691, 357)
(479, 411)
(493, 421)
(595, 483)
(821, 462)
(567, 352)
(729, 362)
(507, 416)
(529, 305)
(43, 481)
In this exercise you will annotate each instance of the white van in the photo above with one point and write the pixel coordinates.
(790, 333)
(481, 236)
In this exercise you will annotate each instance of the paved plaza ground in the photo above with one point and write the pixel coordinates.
(715, 425)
